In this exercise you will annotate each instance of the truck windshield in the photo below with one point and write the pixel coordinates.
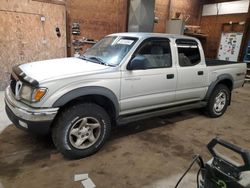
(110, 50)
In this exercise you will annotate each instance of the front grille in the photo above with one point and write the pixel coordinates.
(13, 84)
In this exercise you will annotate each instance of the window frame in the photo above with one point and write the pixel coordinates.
(153, 39)
(190, 42)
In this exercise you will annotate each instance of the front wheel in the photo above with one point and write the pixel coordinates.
(218, 101)
(81, 130)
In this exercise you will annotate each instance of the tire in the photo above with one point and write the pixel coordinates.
(81, 130)
(218, 101)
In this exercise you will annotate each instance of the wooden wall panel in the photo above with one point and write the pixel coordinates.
(162, 12)
(96, 18)
(211, 25)
(166, 9)
(190, 8)
(24, 38)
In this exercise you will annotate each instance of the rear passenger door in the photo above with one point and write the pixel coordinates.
(153, 84)
(192, 72)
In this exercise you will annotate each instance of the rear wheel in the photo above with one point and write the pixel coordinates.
(218, 101)
(81, 130)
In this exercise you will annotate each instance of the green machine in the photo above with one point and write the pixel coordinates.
(221, 171)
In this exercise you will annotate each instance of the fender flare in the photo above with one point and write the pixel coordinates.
(214, 84)
(88, 90)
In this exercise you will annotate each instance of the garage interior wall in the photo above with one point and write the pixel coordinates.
(166, 9)
(25, 38)
(96, 18)
(99, 18)
(214, 30)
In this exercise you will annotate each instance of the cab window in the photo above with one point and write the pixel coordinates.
(188, 52)
(155, 53)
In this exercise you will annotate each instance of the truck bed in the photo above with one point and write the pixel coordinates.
(236, 70)
(216, 62)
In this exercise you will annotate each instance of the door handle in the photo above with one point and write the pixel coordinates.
(200, 72)
(170, 76)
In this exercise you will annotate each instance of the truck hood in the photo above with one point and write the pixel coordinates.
(60, 68)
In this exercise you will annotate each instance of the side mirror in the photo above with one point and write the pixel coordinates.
(137, 63)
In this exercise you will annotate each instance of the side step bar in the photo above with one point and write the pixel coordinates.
(146, 115)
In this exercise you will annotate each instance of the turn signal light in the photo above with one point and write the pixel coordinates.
(39, 93)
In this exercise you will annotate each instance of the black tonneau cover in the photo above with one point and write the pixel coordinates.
(215, 62)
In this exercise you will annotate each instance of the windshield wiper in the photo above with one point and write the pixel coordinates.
(83, 57)
(98, 59)
(95, 59)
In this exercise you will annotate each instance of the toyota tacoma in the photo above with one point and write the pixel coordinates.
(124, 77)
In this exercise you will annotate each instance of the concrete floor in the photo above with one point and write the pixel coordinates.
(150, 154)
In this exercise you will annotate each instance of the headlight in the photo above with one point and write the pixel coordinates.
(32, 94)
(26, 93)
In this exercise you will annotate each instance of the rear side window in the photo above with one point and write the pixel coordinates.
(188, 52)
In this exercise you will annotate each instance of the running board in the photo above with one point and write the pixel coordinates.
(145, 115)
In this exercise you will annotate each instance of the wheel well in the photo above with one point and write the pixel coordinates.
(227, 83)
(100, 100)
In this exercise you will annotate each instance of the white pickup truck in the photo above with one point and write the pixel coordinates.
(124, 77)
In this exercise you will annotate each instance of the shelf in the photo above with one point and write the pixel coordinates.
(198, 35)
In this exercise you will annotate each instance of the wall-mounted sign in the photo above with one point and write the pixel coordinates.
(229, 46)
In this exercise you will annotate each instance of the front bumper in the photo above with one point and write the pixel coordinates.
(35, 120)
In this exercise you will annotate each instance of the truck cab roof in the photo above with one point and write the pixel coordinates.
(147, 35)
